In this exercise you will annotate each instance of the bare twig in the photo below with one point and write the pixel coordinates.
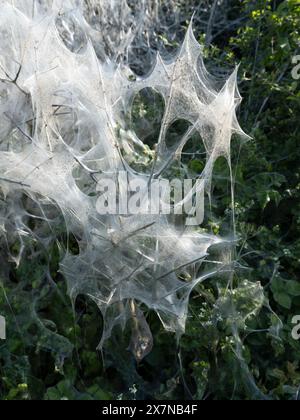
(15, 182)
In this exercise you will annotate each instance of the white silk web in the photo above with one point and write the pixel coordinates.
(64, 97)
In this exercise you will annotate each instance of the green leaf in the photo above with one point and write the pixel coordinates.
(283, 299)
(278, 286)
(293, 288)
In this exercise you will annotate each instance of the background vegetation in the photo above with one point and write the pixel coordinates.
(51, 354)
